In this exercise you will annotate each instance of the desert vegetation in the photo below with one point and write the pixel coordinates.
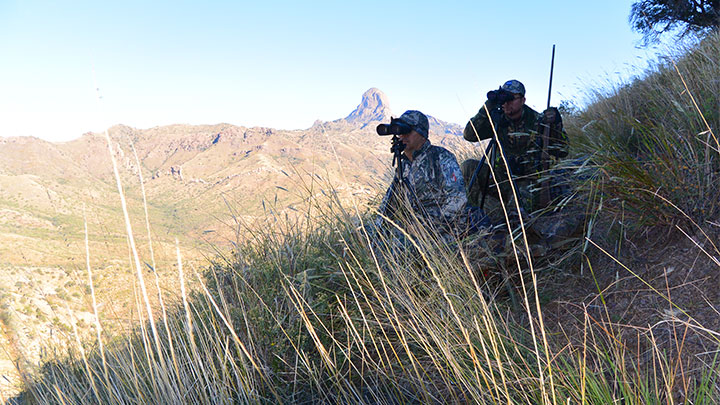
(307, 310)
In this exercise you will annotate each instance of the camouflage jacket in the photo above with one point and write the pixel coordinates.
(519, 139)
(433, 187)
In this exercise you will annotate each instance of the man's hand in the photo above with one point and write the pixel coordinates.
(550, 116)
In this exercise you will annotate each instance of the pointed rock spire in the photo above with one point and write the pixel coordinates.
(373, 107)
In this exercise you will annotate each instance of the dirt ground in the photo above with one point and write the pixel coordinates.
(658, 293)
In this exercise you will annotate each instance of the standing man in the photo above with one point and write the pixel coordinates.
(431, 189)
(519, 133)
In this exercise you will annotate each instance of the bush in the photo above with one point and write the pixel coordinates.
(655, 140)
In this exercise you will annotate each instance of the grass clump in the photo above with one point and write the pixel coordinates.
(312, 313)
(656, 140)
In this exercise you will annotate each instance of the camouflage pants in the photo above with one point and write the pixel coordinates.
(523, 188)
(548, 225)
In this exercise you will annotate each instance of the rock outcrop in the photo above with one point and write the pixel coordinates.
(374, 107)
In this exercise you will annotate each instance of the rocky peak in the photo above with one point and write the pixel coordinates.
(373, 107)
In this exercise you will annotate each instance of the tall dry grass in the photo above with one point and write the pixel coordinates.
(311, 312)
(656, 140)
(309, 309)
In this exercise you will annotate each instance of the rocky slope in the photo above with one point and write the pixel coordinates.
(200, 182)
(192, 174)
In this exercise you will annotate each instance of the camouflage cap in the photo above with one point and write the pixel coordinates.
(514, 86)
(417, 120)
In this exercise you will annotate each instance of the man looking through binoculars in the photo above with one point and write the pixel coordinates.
(528, 140)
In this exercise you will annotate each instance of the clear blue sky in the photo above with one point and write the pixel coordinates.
(284, 64)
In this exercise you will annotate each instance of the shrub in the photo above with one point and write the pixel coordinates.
(655, 140)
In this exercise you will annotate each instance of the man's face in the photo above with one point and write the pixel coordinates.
(513, 109)
(413, 141)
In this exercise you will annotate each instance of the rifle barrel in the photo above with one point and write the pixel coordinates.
(552, 66)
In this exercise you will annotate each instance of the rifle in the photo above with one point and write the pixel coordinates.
(544, 197)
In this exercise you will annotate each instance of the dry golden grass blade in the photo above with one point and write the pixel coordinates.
(131, 241)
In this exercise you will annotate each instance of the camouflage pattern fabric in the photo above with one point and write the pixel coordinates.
(417, 121)
(522, 146)
(520, 139)
(524, 188)
(433, 189)
(514, 86)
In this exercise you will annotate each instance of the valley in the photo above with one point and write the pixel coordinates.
(205, 186)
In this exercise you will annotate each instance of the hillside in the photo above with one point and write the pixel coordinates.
(201, 183)
(195, 178)
(319, 312)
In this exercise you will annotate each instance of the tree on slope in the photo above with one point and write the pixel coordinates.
(655, 17)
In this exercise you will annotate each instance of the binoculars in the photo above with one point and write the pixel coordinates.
(500, 96)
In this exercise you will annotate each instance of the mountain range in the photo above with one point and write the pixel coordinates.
(205, 185)
(199, 181)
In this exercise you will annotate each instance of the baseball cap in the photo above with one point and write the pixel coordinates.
(417, 120)
(514, 86)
